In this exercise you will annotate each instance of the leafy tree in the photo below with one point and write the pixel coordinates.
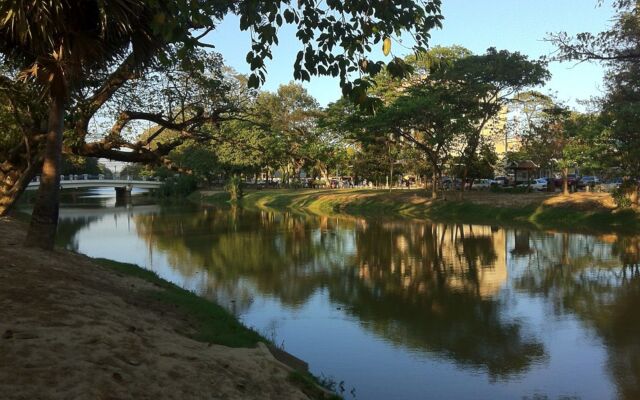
(494, 78)
(540, 126)
(80, 165)
(378, 151)
(619, 49)
(553, 136)
(84, 53)
(428, 116)
(427, 113)
(290, 115)
(621, 114)
(197, 159)
(616, 45)
(234, 187)
(58, 45)
(444, 107)
(483, 164)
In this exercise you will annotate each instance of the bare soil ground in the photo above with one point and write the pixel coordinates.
(71, 329)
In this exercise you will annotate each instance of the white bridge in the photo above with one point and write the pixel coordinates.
(122, 186)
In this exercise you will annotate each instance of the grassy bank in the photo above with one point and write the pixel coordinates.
(209, 322)
(212, 323)
(591, 212)
(75, 327)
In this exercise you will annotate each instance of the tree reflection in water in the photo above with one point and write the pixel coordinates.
(428, 287)
(596, 279)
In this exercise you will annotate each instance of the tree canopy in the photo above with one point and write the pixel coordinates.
(86, 55)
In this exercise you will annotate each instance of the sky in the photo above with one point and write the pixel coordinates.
(514, 25)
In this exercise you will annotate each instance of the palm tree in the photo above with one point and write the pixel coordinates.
(57, 44)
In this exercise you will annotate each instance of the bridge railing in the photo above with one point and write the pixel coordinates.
(101, 177)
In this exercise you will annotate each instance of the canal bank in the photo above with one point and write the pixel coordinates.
(396, 308)
(578, 212)
(74, 327)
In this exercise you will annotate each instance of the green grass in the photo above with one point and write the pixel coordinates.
(219, 198)
(309, 386)
(538, 216)
(397, 203)
(214, 324)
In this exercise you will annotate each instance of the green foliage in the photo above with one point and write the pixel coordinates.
(81, 165)
(621, 197)
(438, 111)
(57, 44)
(619, 49)
(95, 59)
(554, 137)
(622, 115)
(200, 159)
(482, 164)
(623, 194)
(178, 186)
(11, 135)
(234, 187)
(311, 386)
(353, 26)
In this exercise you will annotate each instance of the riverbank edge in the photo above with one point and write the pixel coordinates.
(411, 205)
(208, 322)
(216, 325)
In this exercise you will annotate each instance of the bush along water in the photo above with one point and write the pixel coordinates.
(624, 194)
(178, 186)
(234, 187)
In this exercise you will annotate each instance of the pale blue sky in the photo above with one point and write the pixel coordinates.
(515, 25)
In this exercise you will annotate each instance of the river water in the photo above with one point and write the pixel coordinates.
(397, 309)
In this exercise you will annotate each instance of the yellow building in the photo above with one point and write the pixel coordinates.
(497, 132)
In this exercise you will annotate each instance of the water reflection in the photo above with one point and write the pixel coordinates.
(465, 294)
(596, 279)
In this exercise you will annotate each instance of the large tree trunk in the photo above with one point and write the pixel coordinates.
(44, 219)
(391, 176)
(14, 179)
(465, 173)
(565, 181)
(434, 185)
(324, 171)
(630, 190)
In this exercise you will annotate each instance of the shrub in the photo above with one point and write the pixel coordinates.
(622, 195)
(234, 187)
(178, 186)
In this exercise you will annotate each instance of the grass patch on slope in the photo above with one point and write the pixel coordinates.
(312, 386)
(214, 324)
(220, 197)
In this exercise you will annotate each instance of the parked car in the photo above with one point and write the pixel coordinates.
(590, 180)
(482, 184)
(449, 183)
(501, 180)
(540, 184)
(572, 180)
(536, 184)
(611, 185)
